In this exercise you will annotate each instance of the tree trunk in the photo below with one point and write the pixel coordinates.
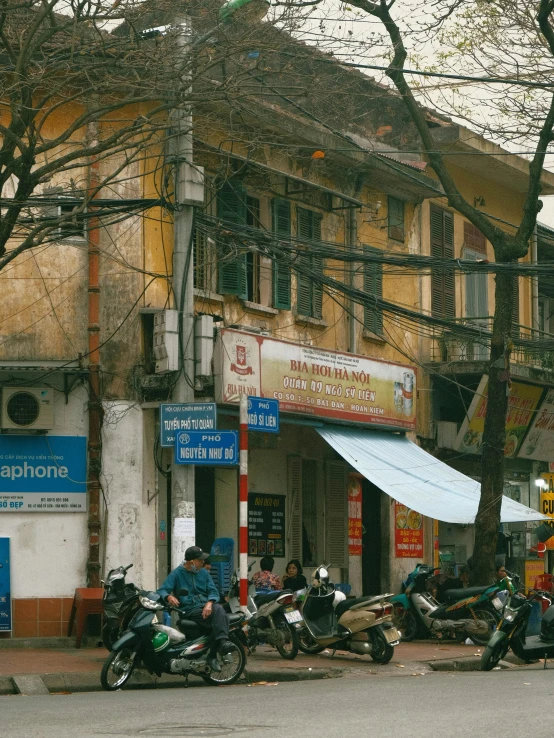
(494, 436)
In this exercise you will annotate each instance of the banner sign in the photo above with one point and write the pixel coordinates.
(314, 381)
(266, 525)
(43, 474)
(408, 533)
(354, 516)
(547, 504)
(533, 568)
(539, 442)
(189, 416)
(5, 596)
(523, 401)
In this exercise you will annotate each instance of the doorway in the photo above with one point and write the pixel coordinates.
(204, 499)
(371, 538)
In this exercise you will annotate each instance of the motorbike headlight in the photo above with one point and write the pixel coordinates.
(149, 604)
(509, 615)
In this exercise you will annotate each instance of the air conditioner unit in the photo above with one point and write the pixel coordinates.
(27, 408)
(166, 341)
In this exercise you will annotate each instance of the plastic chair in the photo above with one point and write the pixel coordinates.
(221, 559)
(545, 582)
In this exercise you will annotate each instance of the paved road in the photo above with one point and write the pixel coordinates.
(448, 705)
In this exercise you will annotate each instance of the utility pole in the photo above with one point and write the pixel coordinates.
(189, 190)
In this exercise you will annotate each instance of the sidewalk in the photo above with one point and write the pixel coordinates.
(78, 670)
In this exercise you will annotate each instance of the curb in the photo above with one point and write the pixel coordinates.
(464, 664)
(90, 681)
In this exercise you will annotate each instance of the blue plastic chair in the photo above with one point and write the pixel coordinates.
(221, 559)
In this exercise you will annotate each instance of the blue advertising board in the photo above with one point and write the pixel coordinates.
(263, 414)
(5, 596)
(43, 474)
(185, 416)
(216, 448)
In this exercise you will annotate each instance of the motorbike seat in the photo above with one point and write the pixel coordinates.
(235, 618)
(262, 599)
(345, 605)
(187, 626)
(452, 595)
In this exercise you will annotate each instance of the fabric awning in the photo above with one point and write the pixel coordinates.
(415, 478)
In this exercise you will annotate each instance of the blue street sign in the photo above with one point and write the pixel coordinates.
(263, 414)
(207, 448)
(189, 416)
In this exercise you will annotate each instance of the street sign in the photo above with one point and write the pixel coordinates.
(207, 448)
(189, 416)
(263, 414)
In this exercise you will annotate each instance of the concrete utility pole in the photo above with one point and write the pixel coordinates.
(188, 190)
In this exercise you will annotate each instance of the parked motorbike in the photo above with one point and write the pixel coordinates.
(165, 650)
(511, 629)
(472, 612)
(362, 625)
(120, 602)
(271, 618)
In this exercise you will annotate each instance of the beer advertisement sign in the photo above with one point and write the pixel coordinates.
(314, 381)
(539, 442)
(522, 404)
(547, 503)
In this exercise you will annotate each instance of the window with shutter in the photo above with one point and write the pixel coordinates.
(295, 507)
(477, 303)
(443, 297)
(395, 218)
(336, 514)
(232, 273)
(373, 285)
(515, 309)
(309, 288)
(281, 225)
(474, 240)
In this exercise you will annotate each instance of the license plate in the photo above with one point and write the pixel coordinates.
(391, 634)
(497, 602)
(294, 616)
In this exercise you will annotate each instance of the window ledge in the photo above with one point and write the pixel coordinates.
(307, 320)
(208, 296)
(370, 336)
(255, 307)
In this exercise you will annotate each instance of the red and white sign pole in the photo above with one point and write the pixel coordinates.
(243, 501)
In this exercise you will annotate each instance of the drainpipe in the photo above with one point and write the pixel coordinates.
(95, 411)
(351, 267)
(535, 284)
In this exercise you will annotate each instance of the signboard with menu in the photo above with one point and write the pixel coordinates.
(522, 405)
(266, 525)
(354, 515)
(539, 442)
(314, 381)
(408, 532)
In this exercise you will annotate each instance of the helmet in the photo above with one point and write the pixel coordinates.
(160, 641)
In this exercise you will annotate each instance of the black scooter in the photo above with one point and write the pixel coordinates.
(510, 633)
(165, 650)
(120, 602)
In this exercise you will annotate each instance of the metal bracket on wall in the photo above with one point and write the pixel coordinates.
(68, 386)
(149, 497)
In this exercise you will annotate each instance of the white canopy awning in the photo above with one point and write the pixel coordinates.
(415, 478)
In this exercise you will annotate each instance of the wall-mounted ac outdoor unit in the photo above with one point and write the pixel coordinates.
(166, 341)
(27, 408)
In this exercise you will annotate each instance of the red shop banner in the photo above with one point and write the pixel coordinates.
(408, 532)
(354, 516)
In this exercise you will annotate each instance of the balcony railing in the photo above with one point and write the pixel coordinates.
(448, 345)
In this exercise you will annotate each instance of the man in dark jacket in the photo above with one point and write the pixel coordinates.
(201, 602)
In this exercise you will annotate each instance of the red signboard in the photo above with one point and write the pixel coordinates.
(408, 532)
(354, 516)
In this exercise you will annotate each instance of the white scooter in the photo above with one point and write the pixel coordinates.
(271, 618)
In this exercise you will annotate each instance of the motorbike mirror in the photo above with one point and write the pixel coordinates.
(323, 573)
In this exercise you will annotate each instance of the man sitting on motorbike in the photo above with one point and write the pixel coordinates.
(201, 602)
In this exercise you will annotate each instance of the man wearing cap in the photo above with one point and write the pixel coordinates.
(201, 602)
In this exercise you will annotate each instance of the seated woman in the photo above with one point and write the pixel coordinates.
(264, 579)
(294, 578)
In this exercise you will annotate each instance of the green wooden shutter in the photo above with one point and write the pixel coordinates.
(336, 517)
(294, 489)
(395, 218)
(317, 287)
(281, 225)
(309, 297)
(231, 206)
(303, 287)
(449, 276)
(373, 285)
(443, 297)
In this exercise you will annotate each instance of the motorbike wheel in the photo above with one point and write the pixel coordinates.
(492, 655)
(117, 669)
(381, 652)
(289, 649)
(232, 665)
(491, 618)
(307, 644)
(405, 621)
